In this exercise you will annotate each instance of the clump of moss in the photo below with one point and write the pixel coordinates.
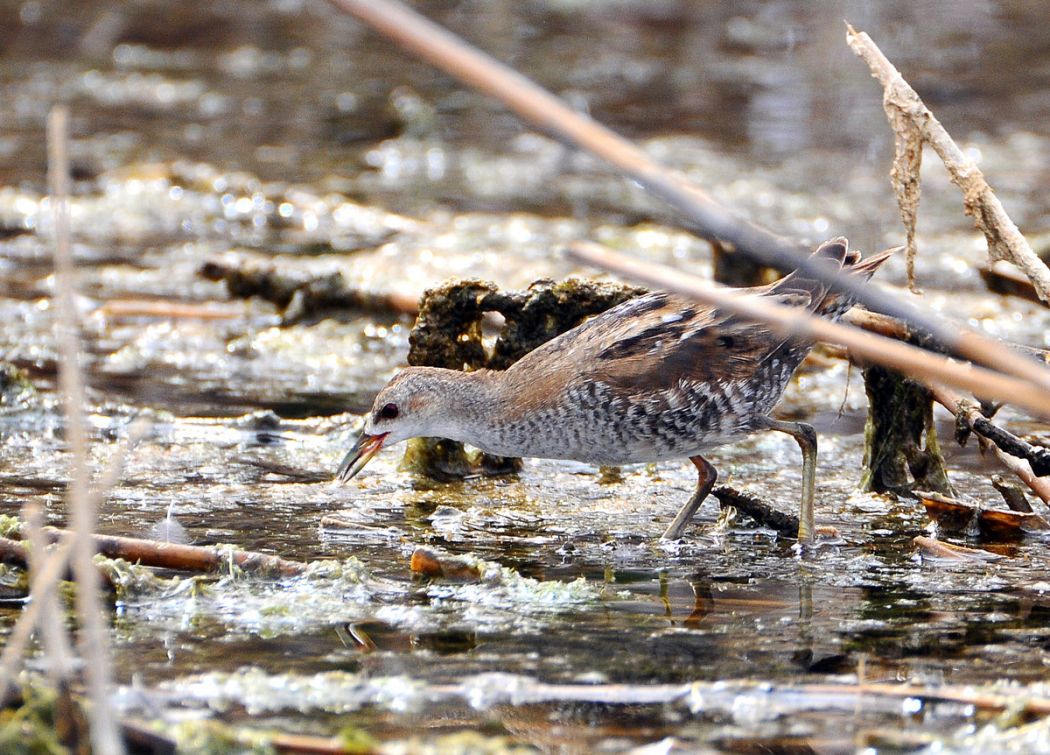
(449, 333)
(44, 721)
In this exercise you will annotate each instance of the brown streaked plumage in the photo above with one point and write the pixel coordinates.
(657, 377)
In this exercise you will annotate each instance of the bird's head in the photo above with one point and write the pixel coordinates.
(418, 401)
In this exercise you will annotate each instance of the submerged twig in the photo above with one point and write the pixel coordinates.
(933, 548)
(93, 640)
(783, 523)
(914, 125)
(704, 216)
(796, 323)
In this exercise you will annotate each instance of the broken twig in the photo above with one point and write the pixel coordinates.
(914, 125)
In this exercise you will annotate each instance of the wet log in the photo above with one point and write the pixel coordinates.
(901, 454)
(300, 293)
(184, 557)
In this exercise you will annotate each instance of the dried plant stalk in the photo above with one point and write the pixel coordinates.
(702, 214)
(93, 641)
(913, 125)
(797, 323)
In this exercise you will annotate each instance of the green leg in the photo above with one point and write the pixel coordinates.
(806, 437)
(708, 475)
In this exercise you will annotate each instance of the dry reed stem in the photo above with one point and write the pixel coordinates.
(57, 648)
(704, 216)
(92, 639)
(797, 323)
(53, 566)
(913, 124)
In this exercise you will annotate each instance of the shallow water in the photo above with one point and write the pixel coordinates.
(283, 132)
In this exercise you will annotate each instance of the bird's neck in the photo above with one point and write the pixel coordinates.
(477, 402)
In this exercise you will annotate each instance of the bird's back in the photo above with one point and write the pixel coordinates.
(663, 377)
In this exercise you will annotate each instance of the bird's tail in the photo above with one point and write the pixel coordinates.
(838, 256)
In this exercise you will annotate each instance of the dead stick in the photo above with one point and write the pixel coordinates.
(706, 217)
(796, 323)
(970, 414)
(784, 524)
(1005, 241)
(184, 557)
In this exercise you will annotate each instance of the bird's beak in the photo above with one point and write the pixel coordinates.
(366, 447)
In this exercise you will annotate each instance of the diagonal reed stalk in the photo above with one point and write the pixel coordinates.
(794, 322)
(703, 215)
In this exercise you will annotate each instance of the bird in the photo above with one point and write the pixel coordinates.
(655, 378)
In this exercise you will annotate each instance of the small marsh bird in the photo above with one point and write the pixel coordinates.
(654, 378)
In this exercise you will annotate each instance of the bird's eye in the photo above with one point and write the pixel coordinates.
(388, 412)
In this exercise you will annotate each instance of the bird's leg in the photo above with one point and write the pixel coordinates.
(806, 437)
(706, 481)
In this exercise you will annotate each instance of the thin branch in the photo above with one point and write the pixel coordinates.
(93, 641)
(903, 105)
(969, 413)
(704, 216)
(797, 323)
(184, 557)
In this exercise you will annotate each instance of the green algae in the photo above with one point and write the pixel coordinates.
(901, 453)
(44, 722)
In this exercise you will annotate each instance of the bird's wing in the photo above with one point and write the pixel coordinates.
(679, 341)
